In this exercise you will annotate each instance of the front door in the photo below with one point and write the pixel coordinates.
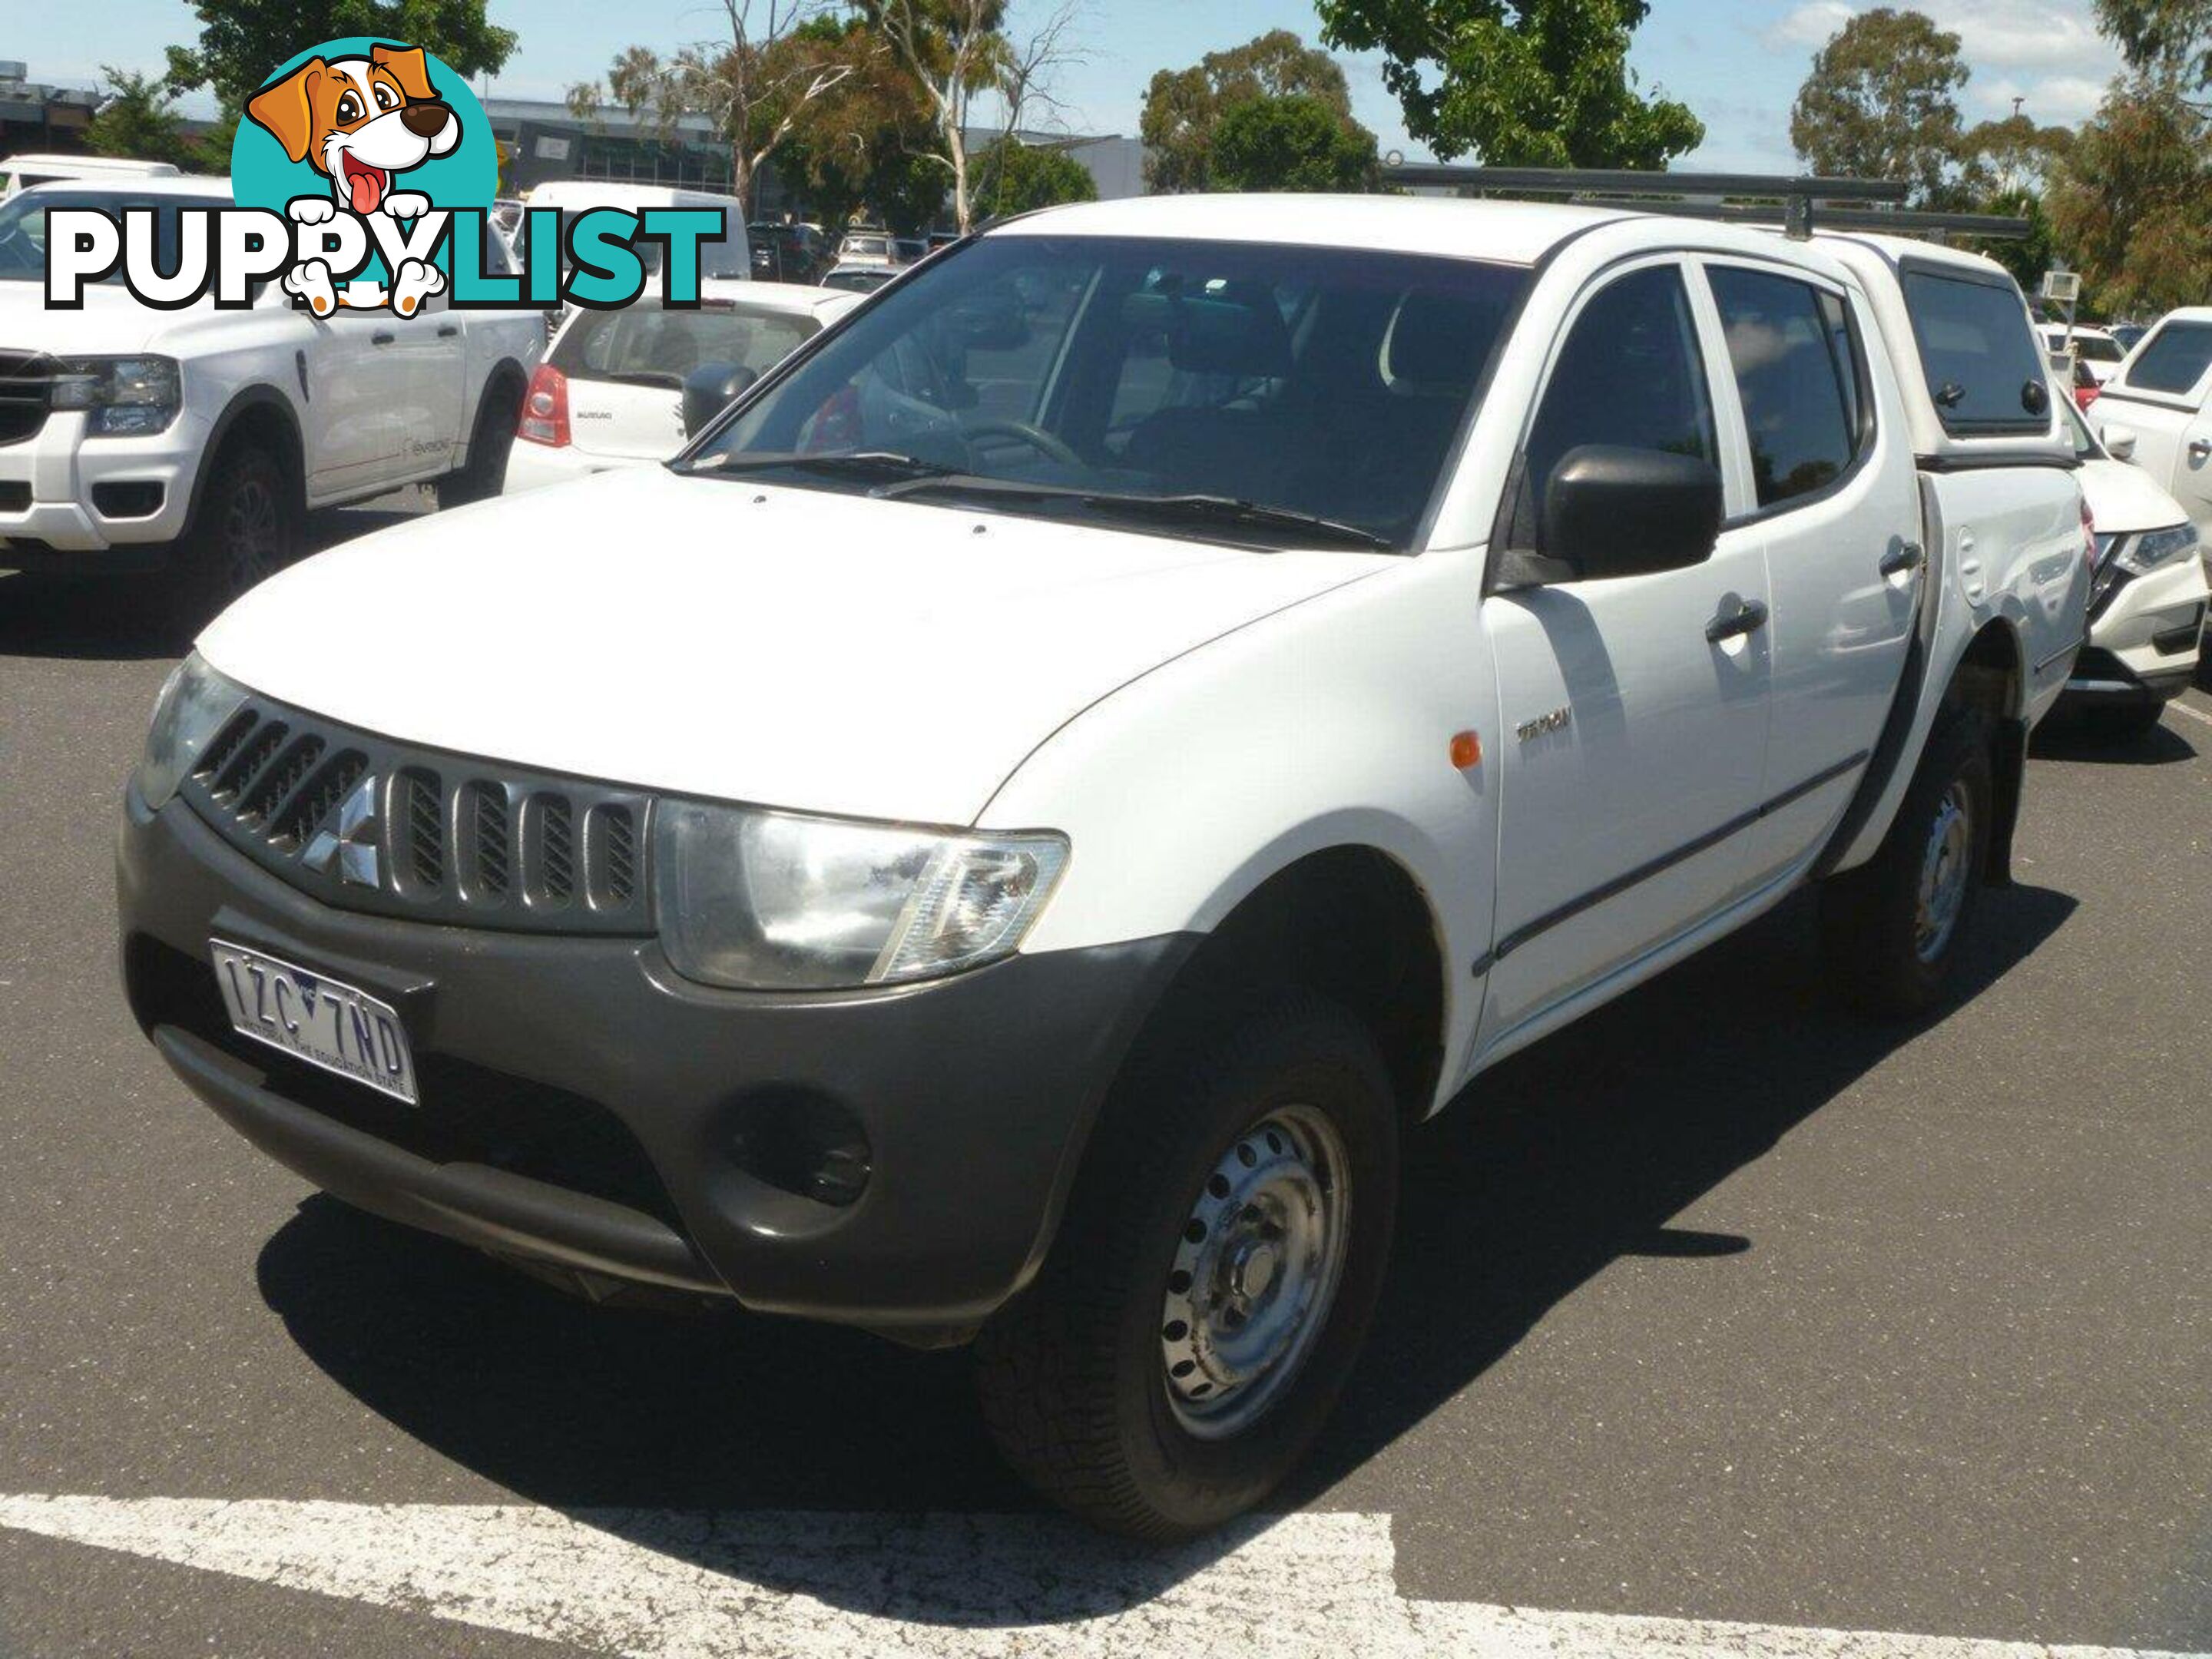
(1634, 708)
(2163, 398)
(352, 384)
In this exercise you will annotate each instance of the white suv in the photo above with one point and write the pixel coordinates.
(1001, 839)
(195, 441)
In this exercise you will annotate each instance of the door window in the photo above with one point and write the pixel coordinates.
(1629, 374)
(1797, 375)
(2174, 359)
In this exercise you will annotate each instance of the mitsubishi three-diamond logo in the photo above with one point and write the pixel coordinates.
(352, 843)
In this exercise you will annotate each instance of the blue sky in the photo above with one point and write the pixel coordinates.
(1736, 65)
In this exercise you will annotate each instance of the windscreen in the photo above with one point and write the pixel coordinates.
(23, 226)
(2173, 360)
(1102, 375)
(647, 345)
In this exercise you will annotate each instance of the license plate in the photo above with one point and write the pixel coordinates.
(314, 1018)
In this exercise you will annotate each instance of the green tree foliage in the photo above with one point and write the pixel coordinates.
(952, 51)
(2004, 168)
(1013, 177)
(1881, 102)
(2011, 157)
(211, 150)
(753, 81)
(2133, 201)
(139, 120)
(1295, 143)
(1518, 82)
(242, 41)
(2168, 40)
(870, 144)
(1184, 108)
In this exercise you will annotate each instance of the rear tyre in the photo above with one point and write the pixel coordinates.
(1211, 1283)
(249, 526)
(484, 474)
(1893, 928)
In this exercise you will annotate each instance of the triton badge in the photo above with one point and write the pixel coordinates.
(1543, 724)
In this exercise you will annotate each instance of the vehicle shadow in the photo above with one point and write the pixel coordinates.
(2067, 735)
(1574, 1154)
(47, 612)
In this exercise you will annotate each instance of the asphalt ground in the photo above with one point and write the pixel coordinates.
(1723, 1304)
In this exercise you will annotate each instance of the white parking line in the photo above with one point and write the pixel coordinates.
(2190, 709)
(659, 1584)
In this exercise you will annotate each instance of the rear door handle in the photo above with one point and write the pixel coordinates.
(447, 331)
(382, 337)
(2199, 448)
(1748, 618)
(1906, 556)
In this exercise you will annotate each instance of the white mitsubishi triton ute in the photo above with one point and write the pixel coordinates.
(1001, 839)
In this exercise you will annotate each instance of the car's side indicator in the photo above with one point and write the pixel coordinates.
(1466, 750)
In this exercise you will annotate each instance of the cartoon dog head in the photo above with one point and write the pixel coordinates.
(359, 120)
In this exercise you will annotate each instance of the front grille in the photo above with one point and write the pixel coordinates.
(27, 393)
(366, 824)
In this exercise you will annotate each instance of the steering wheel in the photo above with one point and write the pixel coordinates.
(1035, 436)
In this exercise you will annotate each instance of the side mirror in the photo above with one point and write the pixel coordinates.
(2119, 441)
(1610, 511)
(711, 388)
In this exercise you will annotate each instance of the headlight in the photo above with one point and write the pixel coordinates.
(2146, 553)
(123, 396)
(776, 901)
(192, 707)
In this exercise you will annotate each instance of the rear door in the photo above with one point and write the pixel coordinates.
(429, 358)
(2162, 398)
(1836, 506)
(1636, 714)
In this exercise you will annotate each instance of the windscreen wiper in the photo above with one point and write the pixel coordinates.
(871, 462)
(1189, 509)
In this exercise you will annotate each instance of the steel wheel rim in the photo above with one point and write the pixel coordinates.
(1943, 873)
(1255, 1271)
(252, 538)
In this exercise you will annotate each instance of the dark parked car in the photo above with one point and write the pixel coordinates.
(788, 253)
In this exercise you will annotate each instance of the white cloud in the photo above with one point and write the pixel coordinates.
(2052, 34)
(2065, 98)
(2059, 64)
(1808, 27)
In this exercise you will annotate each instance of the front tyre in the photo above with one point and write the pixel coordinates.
(1210, 1287)
(1893, 928)
(248, 526)
(484, 474)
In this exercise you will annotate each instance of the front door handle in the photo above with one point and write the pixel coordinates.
(382, 337)
(2199, 448)
(447, 331)
(1748, 618)
(1906, 556)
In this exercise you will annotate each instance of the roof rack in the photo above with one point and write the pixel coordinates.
(1708, 196)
